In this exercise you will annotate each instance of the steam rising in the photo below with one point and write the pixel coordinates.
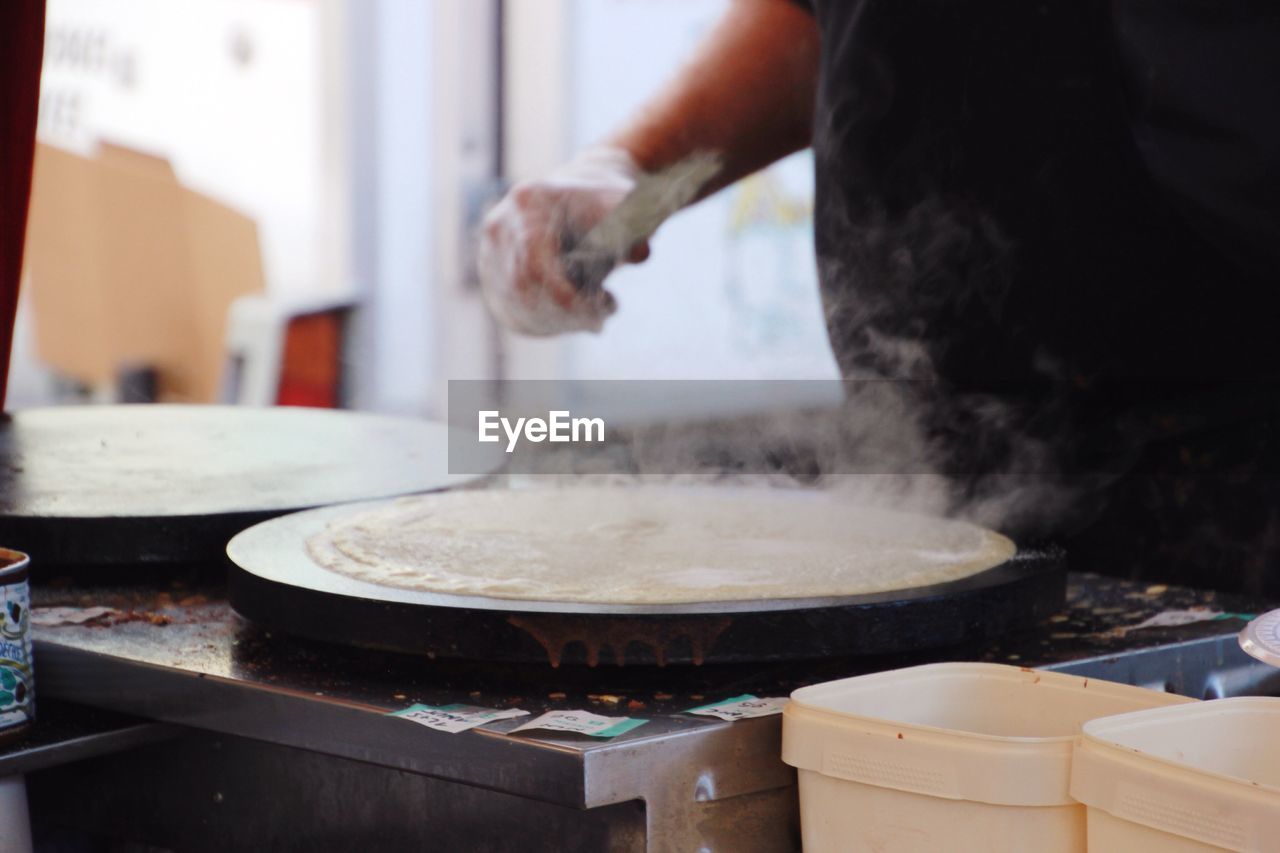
(875, 450)
(901, 291)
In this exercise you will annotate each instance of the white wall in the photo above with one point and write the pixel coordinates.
(392, 74)
(236, 94)
(421, 75)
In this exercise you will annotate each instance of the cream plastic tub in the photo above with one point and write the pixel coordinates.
(1201, 777)
(950, 756)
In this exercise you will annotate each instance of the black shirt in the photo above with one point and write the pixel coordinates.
(1043, 195)
(1018, 189)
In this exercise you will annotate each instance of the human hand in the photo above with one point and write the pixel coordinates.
(521, 258)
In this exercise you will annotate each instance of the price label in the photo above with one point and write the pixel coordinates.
(455, 718)
(582, 722)
(1178, 618)
(741, 707)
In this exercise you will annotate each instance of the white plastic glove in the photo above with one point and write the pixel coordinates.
(520, 261)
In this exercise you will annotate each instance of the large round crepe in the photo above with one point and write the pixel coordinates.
(650, 545)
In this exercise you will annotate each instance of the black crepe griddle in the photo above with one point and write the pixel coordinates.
(276, 584)
(89, 486)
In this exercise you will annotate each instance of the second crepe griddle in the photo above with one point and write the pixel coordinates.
(127, 485)
(275, 583)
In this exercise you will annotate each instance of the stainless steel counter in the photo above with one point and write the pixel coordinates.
(295, 738)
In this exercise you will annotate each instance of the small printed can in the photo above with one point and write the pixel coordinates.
(17, 686)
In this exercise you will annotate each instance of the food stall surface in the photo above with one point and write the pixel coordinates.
(67, 732)
(290, 743)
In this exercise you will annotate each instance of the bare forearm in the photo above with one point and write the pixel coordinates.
(748, 94)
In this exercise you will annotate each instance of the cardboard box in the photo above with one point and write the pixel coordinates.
(129, 268)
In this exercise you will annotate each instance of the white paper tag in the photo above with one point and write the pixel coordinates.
(741, 707)
(52, 617)
(581, 722)
(455, 718)
(1178, 618)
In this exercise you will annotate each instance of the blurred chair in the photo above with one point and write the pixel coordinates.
(286, 352)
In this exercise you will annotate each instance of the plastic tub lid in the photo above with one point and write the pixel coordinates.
(1261, 638)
